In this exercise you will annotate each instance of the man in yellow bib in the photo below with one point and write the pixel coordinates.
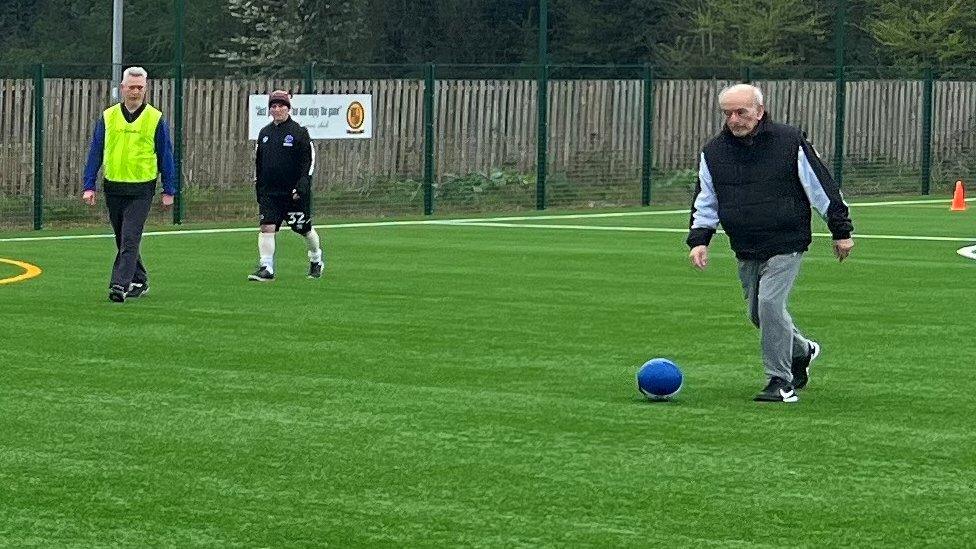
(131, 141)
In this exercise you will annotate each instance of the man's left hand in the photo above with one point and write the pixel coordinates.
(167, 201)
(842, 248)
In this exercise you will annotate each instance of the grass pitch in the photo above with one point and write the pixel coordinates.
(468, 385)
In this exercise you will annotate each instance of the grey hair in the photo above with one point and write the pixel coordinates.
(136, 72)
(756, 93)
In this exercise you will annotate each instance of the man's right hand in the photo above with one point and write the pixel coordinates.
(699, 257)
(842, 248)
(88, 197)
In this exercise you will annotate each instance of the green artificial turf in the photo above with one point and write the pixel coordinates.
(449, 385)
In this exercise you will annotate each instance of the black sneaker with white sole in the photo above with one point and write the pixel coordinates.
(801, 366)
(137, 289)
(116, 293)
(777, 390)
(315, 269)
(261, 275)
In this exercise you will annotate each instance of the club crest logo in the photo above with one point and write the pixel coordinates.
(355, 117)
(289, 140)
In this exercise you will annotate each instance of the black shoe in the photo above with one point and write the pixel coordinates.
(261, 275)
(116, 293)
(777, 391)
(137, 289)
(315, 269)
(801, 366)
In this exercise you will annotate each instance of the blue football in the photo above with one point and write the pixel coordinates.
(659, 379)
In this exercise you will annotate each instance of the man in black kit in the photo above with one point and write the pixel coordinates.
(284, 164)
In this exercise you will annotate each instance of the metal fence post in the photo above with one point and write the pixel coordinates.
(429, 139)
(179, 203)
(542, 102)
(747, 74)
(648, 145)
(38, 146)
(309, 78)
(542, 141)
(927, 131)
(840, 106)
(840, 90)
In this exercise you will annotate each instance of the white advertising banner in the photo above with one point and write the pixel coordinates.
(325, 116)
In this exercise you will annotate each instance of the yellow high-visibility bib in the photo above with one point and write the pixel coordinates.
(130, 148)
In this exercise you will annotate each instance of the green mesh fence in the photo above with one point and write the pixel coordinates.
(882, 132)
(595, 136)
(485, 133)
(953, 130)
(218, 158)
(904, 132)
(16, 146)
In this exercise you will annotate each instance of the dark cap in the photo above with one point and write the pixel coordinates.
(279, 96)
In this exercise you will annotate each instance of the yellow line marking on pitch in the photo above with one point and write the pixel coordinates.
(30, 271)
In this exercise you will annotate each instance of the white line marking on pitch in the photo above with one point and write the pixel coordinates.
(906, 202)
(493, 221)
(461, 221)
(685, 231)
(574, 227)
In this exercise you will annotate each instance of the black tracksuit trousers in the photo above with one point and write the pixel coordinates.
(128, 215)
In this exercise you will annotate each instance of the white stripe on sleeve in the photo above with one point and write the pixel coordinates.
(811, 184)
(706, 203)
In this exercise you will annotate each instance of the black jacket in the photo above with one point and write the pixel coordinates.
(760, 188)
(284, 159)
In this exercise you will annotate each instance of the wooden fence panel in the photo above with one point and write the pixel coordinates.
(808, 105)
(954, 122)
(16, 137)
(595, 130)
(484, 125)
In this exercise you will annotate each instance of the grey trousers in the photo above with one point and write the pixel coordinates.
(766, 286)
(128, 216)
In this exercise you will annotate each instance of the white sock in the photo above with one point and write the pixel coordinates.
(266, 247)
(314, 249)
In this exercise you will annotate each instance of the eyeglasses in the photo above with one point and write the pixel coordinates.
(740, 112)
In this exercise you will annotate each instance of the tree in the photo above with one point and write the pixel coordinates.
(35, 32)
(611, 31)
(150, 34)
(925, 33)
(277, 33)
(40, 34)
(776, 34)
(453, 31)
(16, 19)
(767, 33)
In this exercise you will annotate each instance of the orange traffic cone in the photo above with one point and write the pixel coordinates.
(958, 198)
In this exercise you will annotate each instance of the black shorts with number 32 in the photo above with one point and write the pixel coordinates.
(283, 209)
